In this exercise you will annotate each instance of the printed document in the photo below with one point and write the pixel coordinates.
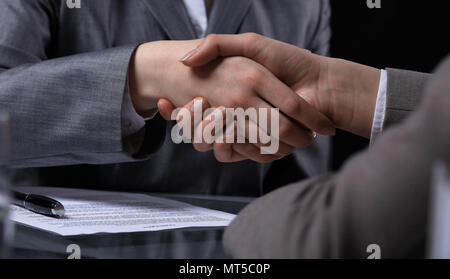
(90, 212)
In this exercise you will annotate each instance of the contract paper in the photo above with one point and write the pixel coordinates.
(90, 212)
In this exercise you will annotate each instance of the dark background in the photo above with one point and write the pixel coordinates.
(413, 35)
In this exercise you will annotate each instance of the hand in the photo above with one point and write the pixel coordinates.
(223, 151)
(155, 72)
(346, 92)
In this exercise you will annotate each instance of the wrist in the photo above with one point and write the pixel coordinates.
(155, 72)
(142, 96)
(353, 88)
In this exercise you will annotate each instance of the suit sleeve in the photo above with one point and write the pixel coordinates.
(62, 110)
(404, 93)
(320, 43)
(379, 197)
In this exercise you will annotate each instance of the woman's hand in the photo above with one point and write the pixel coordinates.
(345, 92)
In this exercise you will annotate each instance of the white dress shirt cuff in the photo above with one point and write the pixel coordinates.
(380, 109)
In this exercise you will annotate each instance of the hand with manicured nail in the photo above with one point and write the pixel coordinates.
(344, 91)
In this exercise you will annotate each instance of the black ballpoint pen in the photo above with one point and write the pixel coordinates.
(39, 204)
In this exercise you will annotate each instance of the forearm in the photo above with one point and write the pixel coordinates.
(353, 89)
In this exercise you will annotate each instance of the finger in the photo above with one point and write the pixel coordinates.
(230, 152)
(195, 109)
(165, 108)
(281, 96)
(262, 140)
(214, 46)
(251, 152)
(285, 129)
(210, 128)
(225, 153)
(265, 51)
(254, 46)
(223, 149)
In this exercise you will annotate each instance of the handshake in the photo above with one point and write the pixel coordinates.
(250, 97)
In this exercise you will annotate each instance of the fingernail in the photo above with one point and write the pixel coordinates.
(314, 134)
(189, 55)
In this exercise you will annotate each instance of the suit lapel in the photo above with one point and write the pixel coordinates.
(226, 16)
(173, 17)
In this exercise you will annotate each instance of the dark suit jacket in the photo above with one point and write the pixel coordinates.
(63, 75)
(381, 196)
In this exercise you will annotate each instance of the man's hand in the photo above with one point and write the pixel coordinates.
(155, 72)
(344, 91)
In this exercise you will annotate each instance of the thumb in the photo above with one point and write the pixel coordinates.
(215, 46)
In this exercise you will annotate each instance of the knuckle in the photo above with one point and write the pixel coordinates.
(200, 147)
(219, 155)
(235, 99)
(197, 147)
(252, 38)
(211, 39)
(220, 158)
(239, 99)
(252, 77)
(252, 43)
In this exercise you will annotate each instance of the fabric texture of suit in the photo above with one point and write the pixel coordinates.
(380, 196)
(405, 89)
(63, 75)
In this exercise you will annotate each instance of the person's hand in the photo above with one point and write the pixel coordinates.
(344, 91)
(155, 72)
(223, 151)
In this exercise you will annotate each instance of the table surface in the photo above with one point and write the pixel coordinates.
(197, 243)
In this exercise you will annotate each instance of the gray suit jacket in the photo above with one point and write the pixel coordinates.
(63, 75)
(380, 196)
